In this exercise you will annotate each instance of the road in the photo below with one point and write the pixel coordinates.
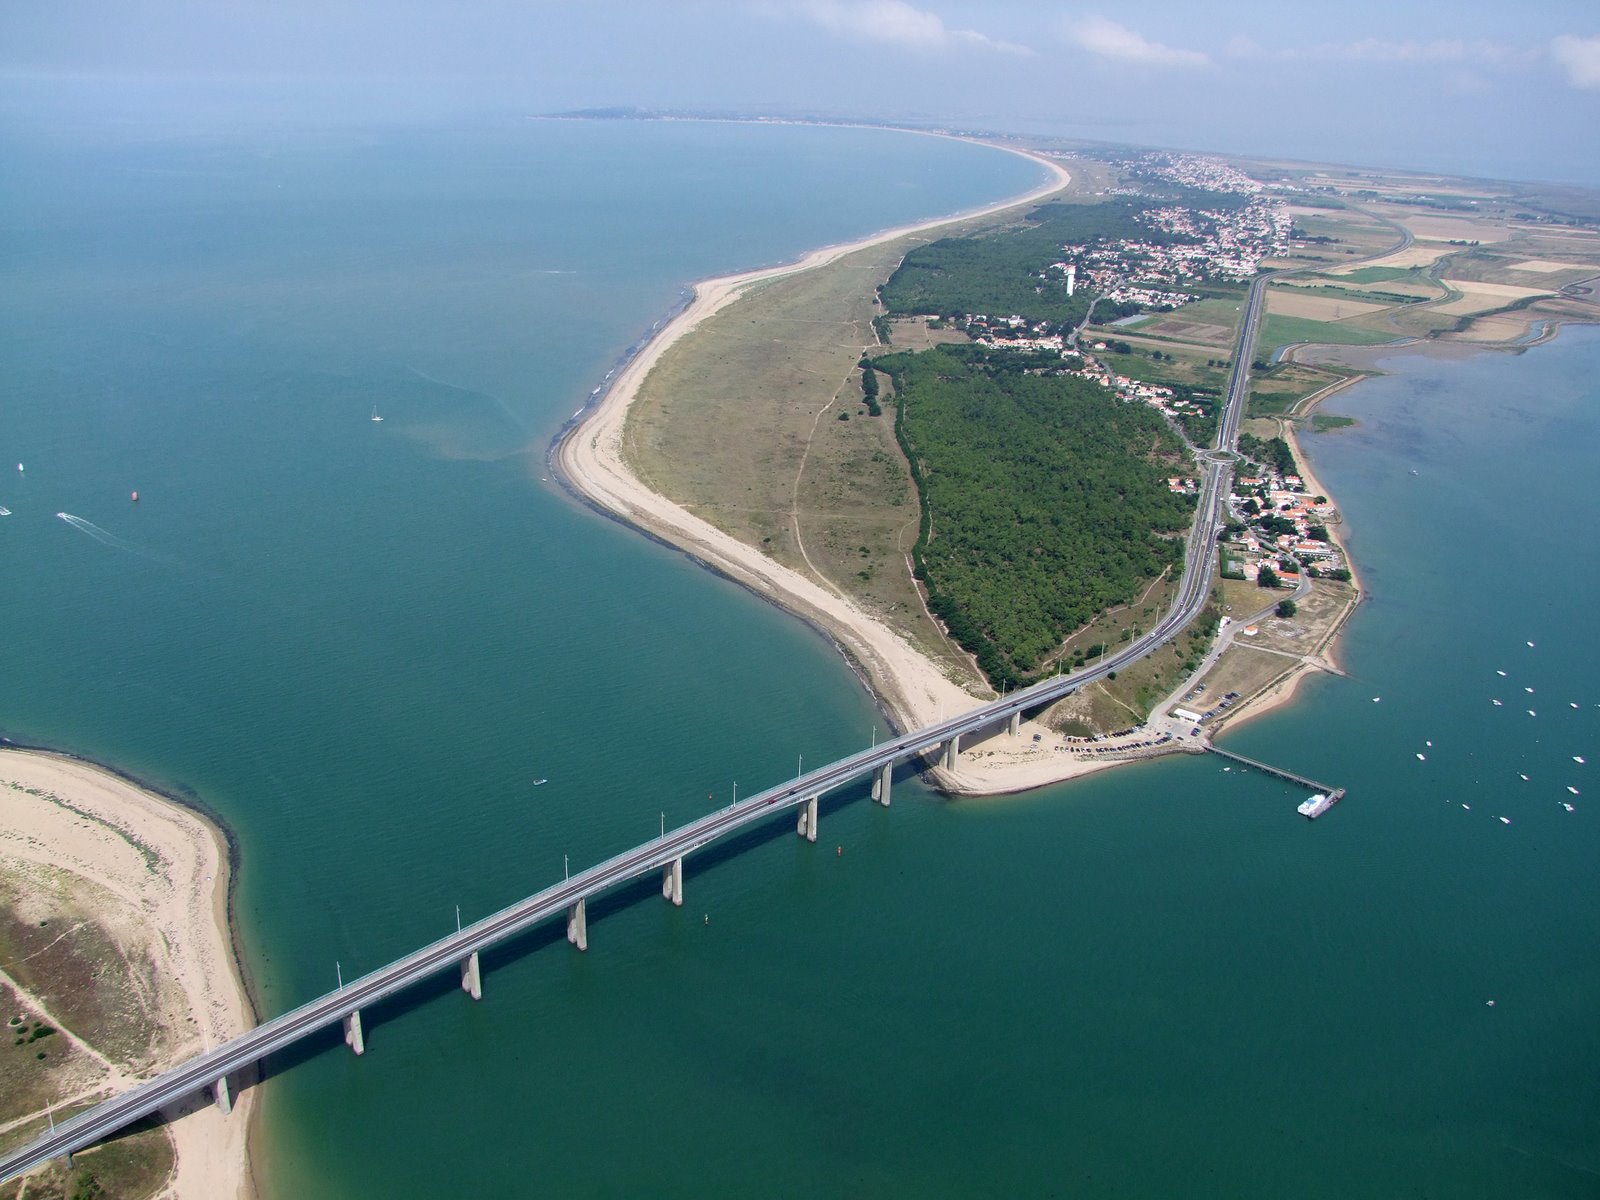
(202, 1072)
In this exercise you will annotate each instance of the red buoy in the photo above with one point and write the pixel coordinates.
(136, 497)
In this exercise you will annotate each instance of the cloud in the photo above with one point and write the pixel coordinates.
(1579, 57)
(1385, 51)
(897, 23)
(1104, 37)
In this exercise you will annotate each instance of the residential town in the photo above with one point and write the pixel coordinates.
(1278, 530)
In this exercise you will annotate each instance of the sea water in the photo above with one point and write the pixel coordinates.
(361, 642)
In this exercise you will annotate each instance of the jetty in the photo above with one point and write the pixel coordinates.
(1334, 794)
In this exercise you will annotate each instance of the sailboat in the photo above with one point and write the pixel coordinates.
(375, 415)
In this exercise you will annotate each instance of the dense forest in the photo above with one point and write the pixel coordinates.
(1000, 273)
(1044, 499)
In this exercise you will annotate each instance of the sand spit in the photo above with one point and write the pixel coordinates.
(911, 687)
(167, 869)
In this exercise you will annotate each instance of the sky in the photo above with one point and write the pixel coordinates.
(1466, 87)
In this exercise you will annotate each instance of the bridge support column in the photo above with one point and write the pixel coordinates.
(952, 752)
(578, 925)
(1015, 727)
(672, 882)
(223, 1096)
(807, 825)
(880, 785)
(472, 977)
(352, 1033)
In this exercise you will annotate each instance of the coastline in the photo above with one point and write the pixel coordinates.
(588, 457)
(589, 460)
(168, 872)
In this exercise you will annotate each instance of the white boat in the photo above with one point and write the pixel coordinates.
(375, 415)
(1315, 807)
(4, 511)
(540, 782)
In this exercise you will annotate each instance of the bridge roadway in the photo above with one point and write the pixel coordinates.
(206, 1071)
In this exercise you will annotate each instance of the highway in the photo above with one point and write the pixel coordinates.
(202, 1072)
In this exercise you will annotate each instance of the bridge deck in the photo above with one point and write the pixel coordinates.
(204, 1071)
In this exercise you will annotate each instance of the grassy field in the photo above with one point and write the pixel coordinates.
(1278, 330)
(1377, 274)
(756, 423)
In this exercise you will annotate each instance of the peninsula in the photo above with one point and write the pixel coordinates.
(749, 431)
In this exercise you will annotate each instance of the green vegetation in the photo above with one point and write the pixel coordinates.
(1278, 330)
(1323, 422)
(869, 389)
(1269, 452)
(1005, 272)
(1378, 274)
(1044, 500)
(1287, 608)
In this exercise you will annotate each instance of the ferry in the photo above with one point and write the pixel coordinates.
(1315, 807)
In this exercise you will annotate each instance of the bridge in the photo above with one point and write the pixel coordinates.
(210, 1073)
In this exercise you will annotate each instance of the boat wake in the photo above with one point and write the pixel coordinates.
(105, 537)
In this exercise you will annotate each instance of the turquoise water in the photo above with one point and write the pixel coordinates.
(359, 643)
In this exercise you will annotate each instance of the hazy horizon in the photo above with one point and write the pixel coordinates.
(1390, 86)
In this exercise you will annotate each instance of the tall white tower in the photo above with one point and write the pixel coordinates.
(1072, 278)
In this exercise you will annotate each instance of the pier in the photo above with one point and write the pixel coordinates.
(1333, 793)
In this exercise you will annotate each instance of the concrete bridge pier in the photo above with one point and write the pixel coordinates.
(352, 1033)
(952, 752)
(672, 882)
(223, 1096)
(472, 977)
(807, 825)
(1015, 725)
(880, 785)
(578, 925)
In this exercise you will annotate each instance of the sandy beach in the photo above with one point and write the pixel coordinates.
(914, 690)
(165, 871)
